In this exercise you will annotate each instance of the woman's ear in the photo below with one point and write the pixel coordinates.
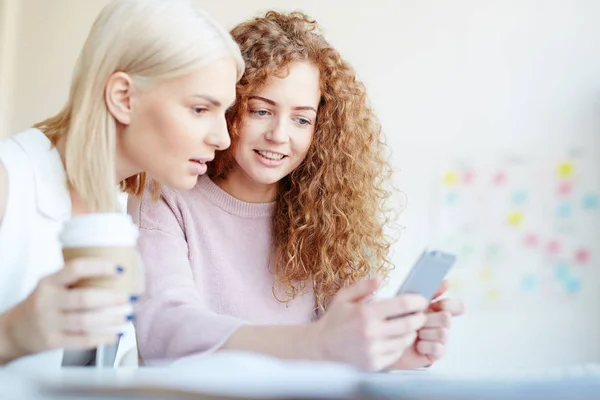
(117, 95)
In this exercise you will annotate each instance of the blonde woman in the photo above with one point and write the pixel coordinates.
(148, 96)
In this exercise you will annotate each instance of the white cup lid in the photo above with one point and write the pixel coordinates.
(99, 229)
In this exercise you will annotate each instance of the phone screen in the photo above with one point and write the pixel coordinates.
(428, 273)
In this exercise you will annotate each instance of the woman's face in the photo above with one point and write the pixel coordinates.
(176, 126)
(277, 130)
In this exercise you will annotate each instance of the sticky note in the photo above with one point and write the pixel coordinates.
(529, 283)
(492, 295)
(565, 170)
(582, 255)
(531, 240)
(561, 272)
(486, 274)
(553, 247)
(565, 188)
(499, 178)
(590, 201)
(493, 250)
(468, 177)
(455, 285)
(564, 210)
(572, 285)
(519, 197)
(515, 218)
(451, 198)
(451, 178)
(467, 250)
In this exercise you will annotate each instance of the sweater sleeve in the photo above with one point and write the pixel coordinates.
(172, 319)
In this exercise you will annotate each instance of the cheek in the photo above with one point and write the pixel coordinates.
(302, 144)
(171, 129)
(249, 134)
(178, 135)
(243, 152)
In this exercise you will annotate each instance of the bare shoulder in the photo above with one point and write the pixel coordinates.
(3, 190)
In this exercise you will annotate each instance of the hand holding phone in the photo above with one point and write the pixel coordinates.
(428, 273)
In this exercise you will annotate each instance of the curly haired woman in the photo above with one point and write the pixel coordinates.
(280, 248)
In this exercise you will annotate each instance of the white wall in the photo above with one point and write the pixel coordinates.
(9, 15)
(446, 78)
(47, 37)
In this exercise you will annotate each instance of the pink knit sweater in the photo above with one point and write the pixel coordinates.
(207, 260)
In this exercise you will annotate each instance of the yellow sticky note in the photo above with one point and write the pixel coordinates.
(455, 285)
(451, 178)
(486, 274)
(492, 295)
(515, 218)
(565, 169)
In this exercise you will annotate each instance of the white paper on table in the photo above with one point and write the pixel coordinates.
(228, 374)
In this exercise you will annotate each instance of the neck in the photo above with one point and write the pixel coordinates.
(125, 168)
(239, 185)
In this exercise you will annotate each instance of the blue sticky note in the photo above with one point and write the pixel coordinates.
(573, 285)
(564, 210)
(561, 272)
(519, 197)
(529, 283)
(590, 201)
(451, 198)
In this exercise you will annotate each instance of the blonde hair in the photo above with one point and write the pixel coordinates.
(149, 40)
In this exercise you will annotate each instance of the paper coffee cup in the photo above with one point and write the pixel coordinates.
(108, 236)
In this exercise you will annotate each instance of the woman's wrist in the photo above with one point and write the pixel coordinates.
(9, 349)
(301, 342)
(313, 343)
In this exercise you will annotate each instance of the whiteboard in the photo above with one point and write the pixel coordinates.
(525, 227)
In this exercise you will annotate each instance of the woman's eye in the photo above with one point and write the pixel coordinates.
(199, 110)
(303, 121)
(260, 113)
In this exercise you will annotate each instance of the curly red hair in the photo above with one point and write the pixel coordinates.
(331, 213)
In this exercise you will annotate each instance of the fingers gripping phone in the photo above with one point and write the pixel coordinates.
(428, 273)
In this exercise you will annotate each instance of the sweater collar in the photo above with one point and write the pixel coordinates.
(230, 204)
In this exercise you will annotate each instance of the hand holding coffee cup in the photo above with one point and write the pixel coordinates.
(88, 302)
(111, 237)
(59, 315)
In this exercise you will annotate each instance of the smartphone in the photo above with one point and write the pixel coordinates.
(428, 273)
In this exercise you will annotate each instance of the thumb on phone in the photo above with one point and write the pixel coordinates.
(442, 289)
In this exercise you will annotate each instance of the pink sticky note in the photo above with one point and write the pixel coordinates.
(499, 178)
(468, 177)
(553, 247)
(582, 256)
(531, 240)
(565, 188)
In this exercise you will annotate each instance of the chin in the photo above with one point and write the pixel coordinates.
(182, 182)
(266, 179)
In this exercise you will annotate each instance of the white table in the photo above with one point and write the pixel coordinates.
(230, 376)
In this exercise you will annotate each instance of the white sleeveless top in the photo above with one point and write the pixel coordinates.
(38, 205)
